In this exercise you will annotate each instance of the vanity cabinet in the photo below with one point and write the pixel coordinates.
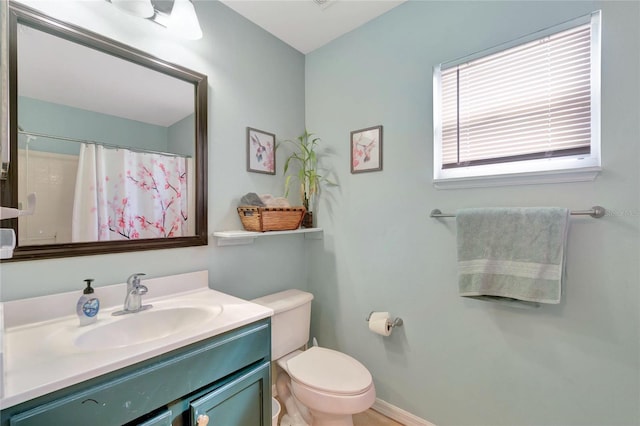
(226, 377)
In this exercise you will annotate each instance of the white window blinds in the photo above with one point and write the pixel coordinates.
(526, 102)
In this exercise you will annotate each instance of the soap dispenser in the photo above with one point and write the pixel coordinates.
(88, 305)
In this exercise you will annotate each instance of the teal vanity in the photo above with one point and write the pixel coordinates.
(215, 362)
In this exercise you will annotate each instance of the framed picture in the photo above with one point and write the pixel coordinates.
(261, 152)
(366, 150)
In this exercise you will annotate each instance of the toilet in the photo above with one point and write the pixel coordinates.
(318, 386)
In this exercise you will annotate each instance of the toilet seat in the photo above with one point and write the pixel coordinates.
(329, 371)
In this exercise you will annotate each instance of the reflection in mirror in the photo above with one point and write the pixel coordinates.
(111, 141)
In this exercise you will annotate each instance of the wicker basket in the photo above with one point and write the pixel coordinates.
(263, 219)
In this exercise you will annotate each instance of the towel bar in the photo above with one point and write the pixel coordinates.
(595, 212)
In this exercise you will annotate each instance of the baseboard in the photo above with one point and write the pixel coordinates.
(398, 414)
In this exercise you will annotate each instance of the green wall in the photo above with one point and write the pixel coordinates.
(181, 135)
(458, 361)
(61, 120)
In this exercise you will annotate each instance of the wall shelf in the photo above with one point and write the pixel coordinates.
(235, 238)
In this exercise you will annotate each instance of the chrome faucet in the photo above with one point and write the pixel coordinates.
(133, 300)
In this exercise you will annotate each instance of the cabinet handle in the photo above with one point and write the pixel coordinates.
(203, 420)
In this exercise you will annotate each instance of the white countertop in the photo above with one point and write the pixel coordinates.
(40, 356)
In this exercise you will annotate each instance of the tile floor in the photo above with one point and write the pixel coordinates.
(368, 418)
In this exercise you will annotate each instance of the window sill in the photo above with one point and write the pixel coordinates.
(532, 178)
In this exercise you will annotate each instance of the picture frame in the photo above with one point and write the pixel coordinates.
(261, 151)
(366, 150)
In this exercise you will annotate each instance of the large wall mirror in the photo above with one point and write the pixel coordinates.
(112, 142)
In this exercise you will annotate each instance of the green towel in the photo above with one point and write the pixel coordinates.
(515, 253)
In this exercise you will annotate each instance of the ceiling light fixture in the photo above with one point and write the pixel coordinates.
(184, 21)
(178, 16)
(324, 3)
(139, 8)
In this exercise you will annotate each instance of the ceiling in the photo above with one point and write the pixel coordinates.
(309, 24)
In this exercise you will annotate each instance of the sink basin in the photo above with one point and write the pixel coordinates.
(145, 326)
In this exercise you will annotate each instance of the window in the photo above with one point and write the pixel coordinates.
(524, 112)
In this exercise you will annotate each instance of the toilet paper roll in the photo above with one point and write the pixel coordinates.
(380, 323)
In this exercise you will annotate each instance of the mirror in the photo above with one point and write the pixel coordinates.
(110, 139)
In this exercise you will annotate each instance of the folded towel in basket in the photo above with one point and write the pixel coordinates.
(515, 253)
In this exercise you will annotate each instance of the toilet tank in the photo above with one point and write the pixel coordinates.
(290, 322)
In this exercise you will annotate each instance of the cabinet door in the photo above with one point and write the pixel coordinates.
(161, 419)
(245, 401)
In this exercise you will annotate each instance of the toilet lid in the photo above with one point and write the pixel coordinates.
(330, 371)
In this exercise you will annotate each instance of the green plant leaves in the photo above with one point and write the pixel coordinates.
(306, 157)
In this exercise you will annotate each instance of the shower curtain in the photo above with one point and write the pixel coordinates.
(121, 195)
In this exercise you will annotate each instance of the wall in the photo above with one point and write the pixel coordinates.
(52, 177)
(457, 361)
(254, 80)
(180, 136)
(61, 120)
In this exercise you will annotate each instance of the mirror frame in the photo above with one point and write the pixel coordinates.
(21, 14)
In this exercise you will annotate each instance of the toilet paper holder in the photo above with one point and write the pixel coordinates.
(396, 322)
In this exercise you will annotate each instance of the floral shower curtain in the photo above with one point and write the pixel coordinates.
(121, 195)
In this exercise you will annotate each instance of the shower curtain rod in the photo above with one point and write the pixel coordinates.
(595, 212)
(63, 138)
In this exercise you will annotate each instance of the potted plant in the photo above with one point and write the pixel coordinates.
(304, 155)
